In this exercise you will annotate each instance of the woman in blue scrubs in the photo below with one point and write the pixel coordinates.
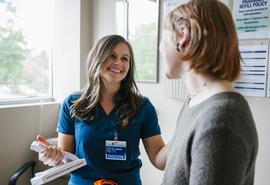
(106, 120)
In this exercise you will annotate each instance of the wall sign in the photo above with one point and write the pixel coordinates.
(252, 18)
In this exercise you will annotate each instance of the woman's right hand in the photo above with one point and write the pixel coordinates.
(52, 156)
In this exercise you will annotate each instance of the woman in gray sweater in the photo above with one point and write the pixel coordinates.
(215, 141)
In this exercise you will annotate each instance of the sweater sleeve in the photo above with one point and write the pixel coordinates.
(219, 156)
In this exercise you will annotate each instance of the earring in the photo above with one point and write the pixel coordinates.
(180, 48)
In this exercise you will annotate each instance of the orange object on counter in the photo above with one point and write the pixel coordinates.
(105, 182)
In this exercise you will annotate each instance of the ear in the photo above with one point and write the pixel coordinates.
(183, 35)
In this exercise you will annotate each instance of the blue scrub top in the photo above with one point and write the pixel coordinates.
(90, 140)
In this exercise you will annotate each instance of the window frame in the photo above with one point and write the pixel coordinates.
(125, 33)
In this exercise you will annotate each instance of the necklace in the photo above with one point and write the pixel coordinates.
(199, 91)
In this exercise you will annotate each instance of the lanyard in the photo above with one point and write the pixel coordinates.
(115, 135)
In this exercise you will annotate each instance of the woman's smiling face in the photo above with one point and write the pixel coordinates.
(117, 65)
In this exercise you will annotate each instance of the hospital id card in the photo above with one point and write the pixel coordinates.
(116, 150)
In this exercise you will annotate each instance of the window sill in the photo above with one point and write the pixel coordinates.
(27, 102)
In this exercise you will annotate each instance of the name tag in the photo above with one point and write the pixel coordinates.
(116, 150)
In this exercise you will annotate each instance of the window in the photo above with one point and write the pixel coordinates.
(137, 20)
(26, 45)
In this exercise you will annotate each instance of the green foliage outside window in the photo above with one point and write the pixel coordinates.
(24, 69)
(144, 43)
(12, 50)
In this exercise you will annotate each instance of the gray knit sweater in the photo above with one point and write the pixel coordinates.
(215, 143)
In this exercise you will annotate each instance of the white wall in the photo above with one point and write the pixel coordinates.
(67, 47)
(87, 12)
(103, 18)
(260, 108)
(19, 126)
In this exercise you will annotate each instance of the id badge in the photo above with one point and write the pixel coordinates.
(116, 150)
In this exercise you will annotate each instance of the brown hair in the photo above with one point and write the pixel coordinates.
(128, 99)
(212, 48)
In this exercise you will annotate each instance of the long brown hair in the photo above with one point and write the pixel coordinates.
(127, 100)
(213, 47)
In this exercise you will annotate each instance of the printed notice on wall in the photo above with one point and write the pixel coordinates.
(268, 92)
(253, 77)
(169, 5)
(252, 18)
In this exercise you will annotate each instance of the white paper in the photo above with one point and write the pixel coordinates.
(268, 92)
(252, 18)
(58, 171)
(70, 163)
(169, 5)
(253, 78)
